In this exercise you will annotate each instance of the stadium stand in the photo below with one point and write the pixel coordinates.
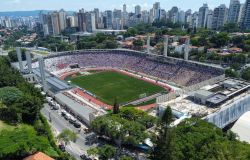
(180, 72)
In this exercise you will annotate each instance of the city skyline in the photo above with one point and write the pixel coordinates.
(27, 5)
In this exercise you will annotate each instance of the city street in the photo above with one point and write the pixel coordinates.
(58, 123)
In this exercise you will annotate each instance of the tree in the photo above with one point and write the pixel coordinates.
(105, 152)
(116, 107)
(230, 27)
(231, 73)
(66, 136)
(220, 39)
(13, 55)
(246, 74)
(167, 117)
(126, 158)
(197, 139)
(138, 44)
(164, 141)
(21, 142)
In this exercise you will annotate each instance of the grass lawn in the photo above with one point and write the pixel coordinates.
(108, 85)
(3, 126)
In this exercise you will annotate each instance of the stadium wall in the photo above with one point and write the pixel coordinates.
(172, 95)
(230, 113)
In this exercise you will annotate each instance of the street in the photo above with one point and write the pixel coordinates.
(58, 123)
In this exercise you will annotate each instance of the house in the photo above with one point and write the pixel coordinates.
(38, 156)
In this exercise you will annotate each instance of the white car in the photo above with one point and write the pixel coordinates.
(49, 99)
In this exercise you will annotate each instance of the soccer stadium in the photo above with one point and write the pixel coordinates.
(96, 79)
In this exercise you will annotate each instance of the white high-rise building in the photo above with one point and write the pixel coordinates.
(219, 16)
(234, 10)
(62, 19)
(137, 10)
(55, 23)
(210, 19)
(157, 10)
(202, 19)
(181, 16)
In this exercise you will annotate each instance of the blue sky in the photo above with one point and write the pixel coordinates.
(73, 5)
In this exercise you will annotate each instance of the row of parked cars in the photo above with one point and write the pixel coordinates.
(71, 119)
(56, 106)
(53, 104)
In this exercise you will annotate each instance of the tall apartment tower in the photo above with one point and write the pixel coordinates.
(109, 19)
(246, 16)
(81, 20)
(157, 10)
(219, 17)
(137, 10)
(55, 23)
(202, 19)
(234, 10)
(62, 19)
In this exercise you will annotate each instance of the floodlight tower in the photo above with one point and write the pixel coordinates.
(28, 60)
(165, 46)
(19, 57)
(187, 49)
(42, 72)
(148, 44)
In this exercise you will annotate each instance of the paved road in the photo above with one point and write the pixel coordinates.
(58, 123)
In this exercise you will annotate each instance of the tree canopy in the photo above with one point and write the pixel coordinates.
(198, 139)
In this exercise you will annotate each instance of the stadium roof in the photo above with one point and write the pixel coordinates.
(80, 110)
(217, 98)
(242, 127)
(55, 83)
(204, 93)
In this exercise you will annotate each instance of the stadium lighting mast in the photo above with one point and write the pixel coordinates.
(42, 72)
(19, 57)
(29, 61)
(148, 44)
(166, 45)
(186, 49)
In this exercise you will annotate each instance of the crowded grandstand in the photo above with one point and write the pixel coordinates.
(180, 72)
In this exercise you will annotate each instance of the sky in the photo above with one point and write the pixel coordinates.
(74, 5)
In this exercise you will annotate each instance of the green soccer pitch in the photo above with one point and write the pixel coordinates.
(109, 85)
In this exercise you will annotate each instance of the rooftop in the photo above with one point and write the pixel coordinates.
(216, 96)
(38, 156)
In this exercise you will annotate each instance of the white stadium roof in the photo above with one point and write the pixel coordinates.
(242, 127)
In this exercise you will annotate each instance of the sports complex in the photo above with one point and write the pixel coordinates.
(87, 83)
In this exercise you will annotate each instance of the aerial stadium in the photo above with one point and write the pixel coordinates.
(88, 82)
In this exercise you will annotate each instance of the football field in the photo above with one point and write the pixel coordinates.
(109, 85)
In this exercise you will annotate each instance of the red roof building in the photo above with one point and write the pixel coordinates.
(38, 156)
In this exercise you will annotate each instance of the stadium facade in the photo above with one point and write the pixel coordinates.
(186, 77)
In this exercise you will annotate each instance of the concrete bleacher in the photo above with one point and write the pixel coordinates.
(180, 72)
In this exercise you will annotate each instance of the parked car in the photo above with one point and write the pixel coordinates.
(67, 116)
(72, 120)
(77, 124)
(62, 147)
(85, 157)
(56, 106)
(63, 113)
(49, 99)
